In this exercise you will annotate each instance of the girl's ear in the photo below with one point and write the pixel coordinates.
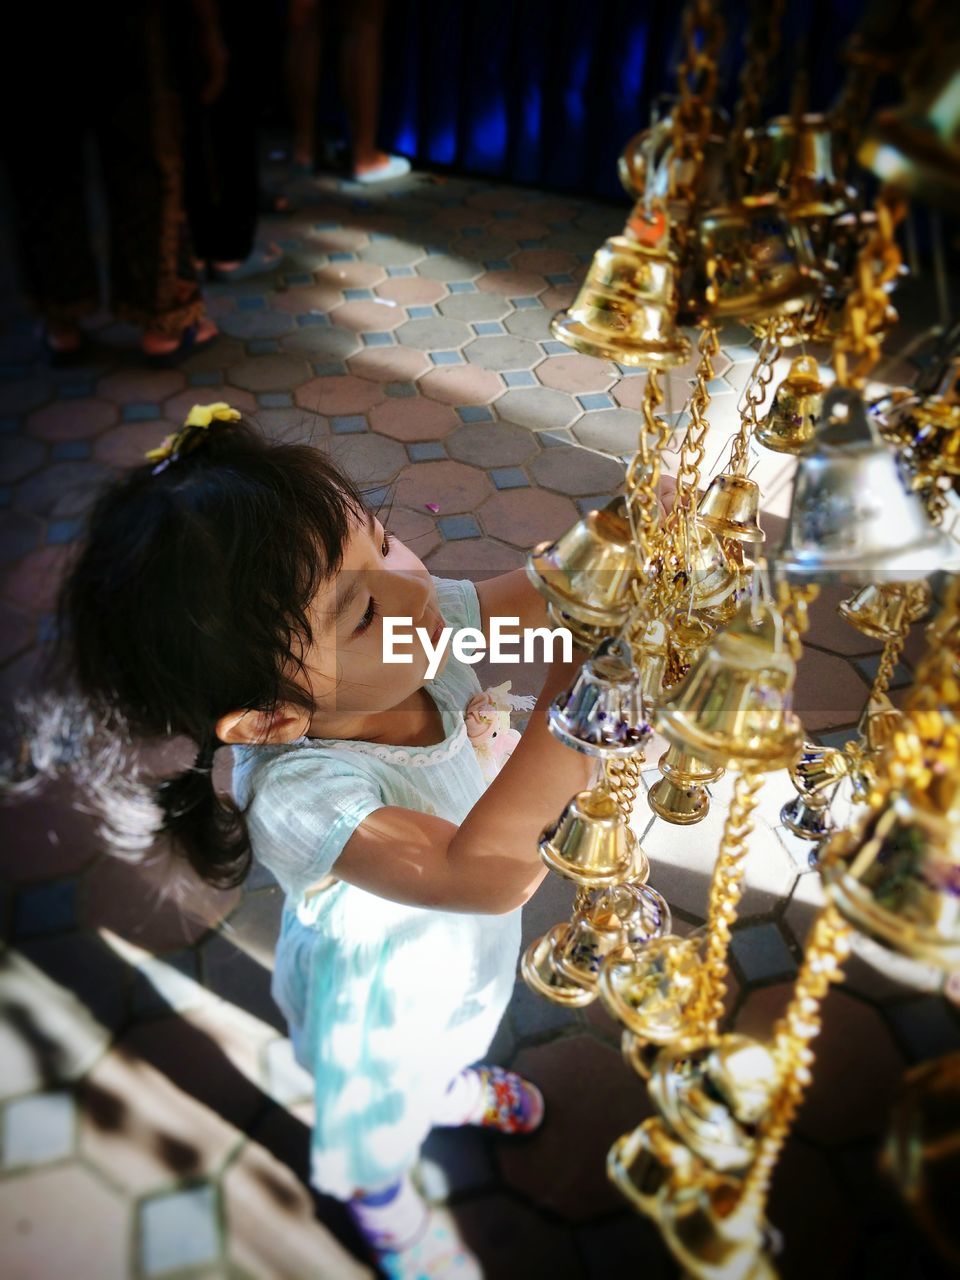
(286, 724)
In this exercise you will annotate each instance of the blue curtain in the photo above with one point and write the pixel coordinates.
(547, 93)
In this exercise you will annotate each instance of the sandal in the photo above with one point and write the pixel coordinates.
(188, 345)
(262, 259)
(512, 1104)
(438, 1254)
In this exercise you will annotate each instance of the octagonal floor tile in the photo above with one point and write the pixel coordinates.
(339, 394)
(576, 374)
(31, 584)
(453, 486)
(474, 558)
(417, 529)
(449, 268)
(16, 632)
(21, 457)
(538, 408)
(531, 322)
(140, 386)
(545, 262)
(62, 489)
(71, 420)
(248, 325)
(591, 1100)
(499, 354)
(512, 284)
(350, 275)
(461, 384)
(269, 373)
(411, 291)
(53, 837)
(525, 517)
(413, 418)
(492, 444)
(126, 445)
(436, 334)
(612, 431)
(389, 364)
(828, 691)
(64, 1220)
(308, 299)
(574, 471)
(474, 308)
(24, 394)
(369, 316)
(513, 1242)
(393, 253)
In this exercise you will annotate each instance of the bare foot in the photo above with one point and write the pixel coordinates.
(155, 343)
(370, 162)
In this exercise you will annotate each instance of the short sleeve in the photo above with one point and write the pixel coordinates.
(302, 814)
(459, 602)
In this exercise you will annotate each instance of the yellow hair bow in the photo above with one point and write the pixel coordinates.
(199, 418)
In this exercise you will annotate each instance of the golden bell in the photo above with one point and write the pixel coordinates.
(687, 637)
(643, 1162)
(587, 572)
(712, 1097)
(748, 260)
(852, 516)
(625, 915)
(584, 636)
(731, 508)
(790, 425)
(922, 1150)
(602, 713)
(540, 973)
(699, 563)
(680, 796)
(650, 656)
(808, 817)
(896, 877)
(648, 166)
(933, 429)
(639, 1055)
(881, 722)
(652, 994)
(795, 155)
(626, 308)
(883, 610)
(711, 1232)
(734, 705)
(818, 769)
(591, 843)
(916, 148)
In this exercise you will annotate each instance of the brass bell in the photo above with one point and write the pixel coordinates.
(808, 817)
(896, 877)
(883, 610)
(680, 796)
(852, 516)
(648, 166)
(626, 308)
(734, 705)
(712, 1232)
(653, 993)
(584, 636)
(748, 260)
(881, 722)
(933, 428)
(795, 156)
(540, 973)
(591, 843)
(790, 425)
(687, 637)
(587, 572)
(818, 769)
(650, 656)
(639, 1055)
(602, 713)
(646, 1160)
(625, 915)
(731, 508)
(916, 148)
(699, 562)
(714, 1096)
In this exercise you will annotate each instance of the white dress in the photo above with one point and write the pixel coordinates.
(385, 1002)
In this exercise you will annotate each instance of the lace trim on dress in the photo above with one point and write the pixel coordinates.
(401, 755)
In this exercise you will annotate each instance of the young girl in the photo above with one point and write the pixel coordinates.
(232, 591)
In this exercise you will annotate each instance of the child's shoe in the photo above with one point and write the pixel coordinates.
(438, 1254)
(493, 1099)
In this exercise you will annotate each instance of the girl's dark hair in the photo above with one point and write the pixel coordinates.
(189, 599)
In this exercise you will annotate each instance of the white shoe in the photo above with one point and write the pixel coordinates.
(396, 167)
(439, 1254)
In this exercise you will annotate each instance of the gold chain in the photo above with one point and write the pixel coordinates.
(623, 780)
(793, 602)
(822, 964)
(692, 451)
(726, 888)
(754, 394)
(856, 348)
(762, 44)
(696, 85)
(643, 506)
(892, 652)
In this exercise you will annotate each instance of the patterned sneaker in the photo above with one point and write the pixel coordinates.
(439, 1254)
(510, 1103)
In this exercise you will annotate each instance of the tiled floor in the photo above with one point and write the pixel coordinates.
(154, 1123)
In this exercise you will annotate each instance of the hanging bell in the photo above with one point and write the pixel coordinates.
(933, 436)
(621, 916)
(639, 1055)
(700, 565)
(712, 1097)
(734, 705)
(881, 722)
(650, 656)
(790, 426)
(712, 1232)
(818, 769)
(882, 611)
(808, 817)
(680, 796)
(748, 260)
(626, 308)
(731, 508)
(653, 993)
(795, 155)
(649, 168)
(539, 971)
(587, 572)
(916, 148)
(584, 636)
(852, 516)
(591, 843)
(896, 877)
(602, 713)
(643, 1162)
(687, 637)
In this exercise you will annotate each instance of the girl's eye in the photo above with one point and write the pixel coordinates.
(386, 544)
(372, 612)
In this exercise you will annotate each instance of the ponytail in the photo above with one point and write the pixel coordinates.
(209, 830)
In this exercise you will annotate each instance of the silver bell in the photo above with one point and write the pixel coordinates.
(806, 818)
(602, 713)
(853, 517)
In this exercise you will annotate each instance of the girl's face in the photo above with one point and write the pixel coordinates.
(379, 577)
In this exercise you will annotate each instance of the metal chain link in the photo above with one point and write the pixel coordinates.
(755, 392)
(692, 451)
(697, 84)
(643, 506)
(857, 345)
(762, 44)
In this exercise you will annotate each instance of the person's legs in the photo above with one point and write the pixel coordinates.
(303, 77)
(360, 59)
(409, 1239)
